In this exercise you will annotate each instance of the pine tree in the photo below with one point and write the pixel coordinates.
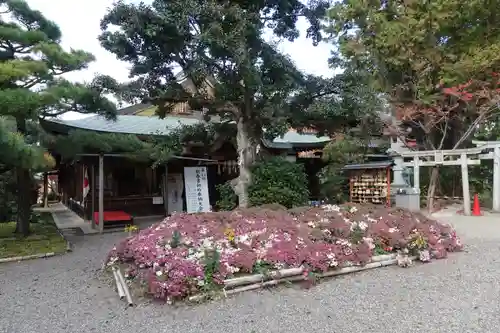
(231, 68)
(32, 63)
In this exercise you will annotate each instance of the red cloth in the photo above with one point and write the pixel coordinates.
(113, 216)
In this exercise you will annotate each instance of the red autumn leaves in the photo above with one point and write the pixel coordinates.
(473, 96)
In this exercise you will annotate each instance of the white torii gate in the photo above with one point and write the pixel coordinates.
(462, 157)
(495, 156)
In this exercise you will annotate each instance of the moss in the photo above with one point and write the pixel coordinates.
(44, 238)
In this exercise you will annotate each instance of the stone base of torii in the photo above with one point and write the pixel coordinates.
(403, 157)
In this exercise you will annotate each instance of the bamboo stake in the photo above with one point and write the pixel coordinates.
(119, 287)
(283, 273)
(378, 261)
(125, 287)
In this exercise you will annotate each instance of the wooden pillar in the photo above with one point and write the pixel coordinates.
(101, 193)
(92, 194)
(416, 173)
(165, 190)
(496, 179)
(45, 194)
(465, 183)
(82, 179)
(388, 198)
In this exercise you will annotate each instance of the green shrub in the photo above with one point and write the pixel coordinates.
(228, 200)
(275, 182)
(278, 181)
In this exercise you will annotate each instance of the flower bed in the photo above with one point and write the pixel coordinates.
(192, 254)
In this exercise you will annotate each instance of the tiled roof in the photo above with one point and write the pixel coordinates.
(128, 124)
(370, 165)
(140, 125)
(133, 109)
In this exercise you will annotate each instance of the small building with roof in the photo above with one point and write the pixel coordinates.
(142, 190)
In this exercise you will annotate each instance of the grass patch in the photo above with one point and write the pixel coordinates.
(44, 238)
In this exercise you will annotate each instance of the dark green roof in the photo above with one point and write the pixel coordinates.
(141, 125)
(369, 165)
(127, 124)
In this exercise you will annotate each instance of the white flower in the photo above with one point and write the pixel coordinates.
(343, 242)
(207, 243)
(331, 260)
(424, 256)
(201, 283)
(362, 225)
(203, 231)
(353, 210)
(256, 233)
(159, 273)
(392, 230)
(232, 269)
(279, 265)
(311, 224)
(331, 208)
(244, 239)
(369, 242)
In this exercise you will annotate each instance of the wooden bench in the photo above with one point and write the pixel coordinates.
(114, 218)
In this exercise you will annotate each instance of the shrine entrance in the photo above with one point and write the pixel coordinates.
(460, 157)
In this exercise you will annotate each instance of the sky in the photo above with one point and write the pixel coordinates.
(79, 22)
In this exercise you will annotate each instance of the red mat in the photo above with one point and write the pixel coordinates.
(113, 216)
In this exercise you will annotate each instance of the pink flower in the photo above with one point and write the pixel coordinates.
(318, 238)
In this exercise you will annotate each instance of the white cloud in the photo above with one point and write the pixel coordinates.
(79, 23)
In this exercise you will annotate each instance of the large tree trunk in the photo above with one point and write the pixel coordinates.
(431, 191)
(246, 157)
(45, 198)
(23, 178)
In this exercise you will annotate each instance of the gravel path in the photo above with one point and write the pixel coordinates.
(459, 294)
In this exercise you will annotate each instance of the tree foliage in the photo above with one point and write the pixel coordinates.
(278, 181)
(414, 49)
(31, 64)
(343, 150)
(8, 206)
(433, 61)
(228, 67)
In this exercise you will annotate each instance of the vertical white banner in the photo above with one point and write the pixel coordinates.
(196, 186)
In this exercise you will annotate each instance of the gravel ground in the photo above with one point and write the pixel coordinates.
(458, 294)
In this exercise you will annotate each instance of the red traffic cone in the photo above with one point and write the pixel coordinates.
(476, 210)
